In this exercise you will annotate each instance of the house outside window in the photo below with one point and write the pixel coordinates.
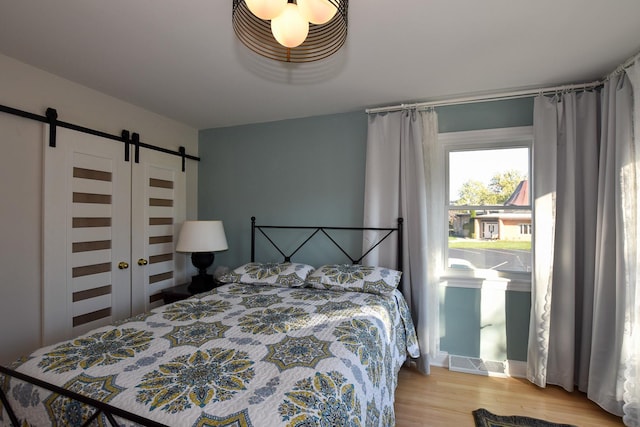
(488, 203)
(525, 228)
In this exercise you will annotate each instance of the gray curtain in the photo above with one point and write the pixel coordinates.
(631, 347)
(397, 184)
(583, 146)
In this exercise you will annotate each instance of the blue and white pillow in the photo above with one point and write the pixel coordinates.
(287, 274)
(355, 278)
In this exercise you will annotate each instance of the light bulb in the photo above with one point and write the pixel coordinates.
(290, 28)
(317, 11)
(266, 9)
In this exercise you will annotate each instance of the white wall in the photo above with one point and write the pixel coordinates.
(21, 152)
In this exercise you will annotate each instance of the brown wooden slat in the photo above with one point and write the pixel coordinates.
(91, 293)
(91, 174)
(91, 222)
(102, 199)
(160, 183)
(160, 277)
(155, 297)
(160, 221)
(90, 317)
(160, 202)
(160, 258)
(154, 240)
(88, 270)
(97, 245)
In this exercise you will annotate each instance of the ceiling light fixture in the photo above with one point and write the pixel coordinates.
(290, 30)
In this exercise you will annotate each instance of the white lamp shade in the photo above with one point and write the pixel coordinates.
(290, 28)
(202, 236)
(266, 9)
(317, 11)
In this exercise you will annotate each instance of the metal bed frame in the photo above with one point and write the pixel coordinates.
(101, 408)
(109, 411)
(314, 230)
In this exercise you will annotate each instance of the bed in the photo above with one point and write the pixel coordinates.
(281, 343)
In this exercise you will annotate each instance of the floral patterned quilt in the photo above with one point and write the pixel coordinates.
(240, 355)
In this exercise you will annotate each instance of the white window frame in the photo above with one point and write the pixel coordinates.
(486, 139)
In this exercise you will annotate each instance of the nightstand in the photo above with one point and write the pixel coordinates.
(176, 293)
(180, 292)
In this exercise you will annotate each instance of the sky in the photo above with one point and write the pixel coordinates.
(481, 165)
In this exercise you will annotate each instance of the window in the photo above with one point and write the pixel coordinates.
(488, 202)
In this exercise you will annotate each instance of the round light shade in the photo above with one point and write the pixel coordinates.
(202, 236)
(321, 42)
(290, 28)
(266, 9)
(318, 12)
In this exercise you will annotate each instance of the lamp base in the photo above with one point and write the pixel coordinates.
(201, 283)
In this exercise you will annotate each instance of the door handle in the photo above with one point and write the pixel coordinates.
(142, 261)
(122, 265)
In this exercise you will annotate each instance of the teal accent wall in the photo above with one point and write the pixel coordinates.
(493, 326)
(311, 171)
(485, 115)
(294, 172)
(517, 308)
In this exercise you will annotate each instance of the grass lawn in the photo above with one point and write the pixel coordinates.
(459, 243)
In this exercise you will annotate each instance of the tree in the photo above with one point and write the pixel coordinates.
(475, 193)
(500, 188)
(505, 183)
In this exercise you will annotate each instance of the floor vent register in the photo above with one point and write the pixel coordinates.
(473, 365)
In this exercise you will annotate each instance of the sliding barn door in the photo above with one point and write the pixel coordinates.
(87, 221)
(158, 209)
(110, 229)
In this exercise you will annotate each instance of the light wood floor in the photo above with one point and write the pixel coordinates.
(446, 398)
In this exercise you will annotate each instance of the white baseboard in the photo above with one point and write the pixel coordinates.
(441, 360)
(517, 368)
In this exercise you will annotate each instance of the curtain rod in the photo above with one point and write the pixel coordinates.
(525, 93)
(626, 64)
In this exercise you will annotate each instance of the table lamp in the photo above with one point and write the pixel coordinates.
(202, 239)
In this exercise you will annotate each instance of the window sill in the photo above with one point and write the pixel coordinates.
(493, 283)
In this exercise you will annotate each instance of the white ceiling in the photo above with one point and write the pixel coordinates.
(181, 59)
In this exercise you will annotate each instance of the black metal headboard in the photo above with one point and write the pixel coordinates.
(323, 230)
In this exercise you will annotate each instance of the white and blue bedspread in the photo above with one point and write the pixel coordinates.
(241, 355)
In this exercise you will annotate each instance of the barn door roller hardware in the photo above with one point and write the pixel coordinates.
(51, 118)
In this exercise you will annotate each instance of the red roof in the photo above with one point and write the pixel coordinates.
(520, 196)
